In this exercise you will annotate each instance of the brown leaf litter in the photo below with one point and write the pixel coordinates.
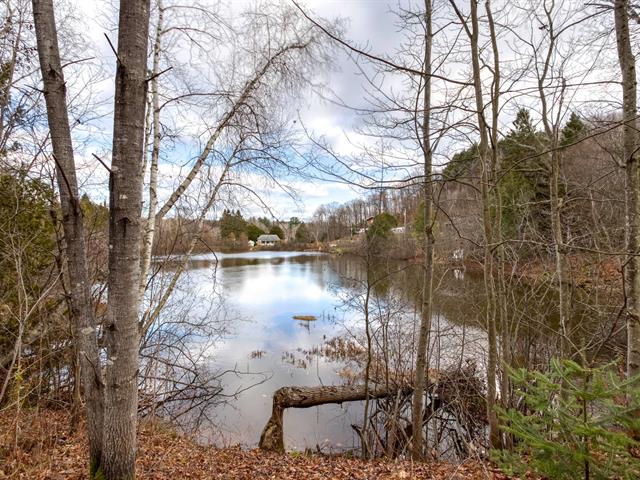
(47, 449)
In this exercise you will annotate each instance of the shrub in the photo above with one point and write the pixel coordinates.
(575, 422)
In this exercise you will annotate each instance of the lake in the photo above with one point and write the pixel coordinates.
(253, 297)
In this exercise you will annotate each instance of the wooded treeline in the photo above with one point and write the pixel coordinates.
(505, 129)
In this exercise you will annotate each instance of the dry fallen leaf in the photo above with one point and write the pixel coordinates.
(49, 451)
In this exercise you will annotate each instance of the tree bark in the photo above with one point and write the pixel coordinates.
(427, 287)
(272, 438)
(487, 178)
(551, 130)
(498, 235)
(150, 225)
(82, 314)
(121, 329)
(627, 63)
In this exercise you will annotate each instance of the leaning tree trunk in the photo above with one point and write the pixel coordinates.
(82, 314)
(272, 438)
(632, 195)
(121, 329)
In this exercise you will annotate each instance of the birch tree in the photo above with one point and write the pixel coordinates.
(246, 104)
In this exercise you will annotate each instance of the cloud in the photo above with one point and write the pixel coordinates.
(370, 25)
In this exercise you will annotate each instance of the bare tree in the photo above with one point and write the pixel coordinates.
(488, 156)
(626, 59)
(427, 287)
(125, 208)
(76, 259)
(249, 110)
(112, 425)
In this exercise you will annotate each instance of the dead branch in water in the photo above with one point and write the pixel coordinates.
(272, 437)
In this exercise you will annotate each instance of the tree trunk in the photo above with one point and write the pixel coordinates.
(559, 251)
(367, 368)
(632, 196)
(487, 177)
(151, 314)
(9, 73)
(498, 234)
(246, 93)
(82, 314)
(121, 329)
(427, 287)
(552, 132)
(150, 225)
(272, 438)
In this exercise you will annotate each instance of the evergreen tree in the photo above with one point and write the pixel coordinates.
(382, 225)
(265, 221)
(523, 178)
(293, 221)
(573, 130)
(523, 128)
(302, 234)
(574, 423)
(461, 163)
(96, 216)
(27, 249)
(276, 230)
(253, 232)
(232, 223)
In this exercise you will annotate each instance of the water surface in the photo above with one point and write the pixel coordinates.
(259, 294)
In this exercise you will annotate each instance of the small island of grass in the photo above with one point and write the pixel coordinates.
(306, 318)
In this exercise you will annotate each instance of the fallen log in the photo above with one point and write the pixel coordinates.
(272, 438)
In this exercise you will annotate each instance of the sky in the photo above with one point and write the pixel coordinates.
(369, 24)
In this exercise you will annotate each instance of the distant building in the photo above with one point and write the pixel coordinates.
(268, 240)
(458, 254)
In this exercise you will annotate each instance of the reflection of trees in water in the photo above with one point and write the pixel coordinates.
(457, 347)
(385, 294)
(177, 379)
(532, 317)
(459, 300)
(306, 260)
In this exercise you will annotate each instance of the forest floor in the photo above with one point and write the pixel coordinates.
(46, 449)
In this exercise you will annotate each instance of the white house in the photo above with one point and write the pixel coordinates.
(268, 240)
